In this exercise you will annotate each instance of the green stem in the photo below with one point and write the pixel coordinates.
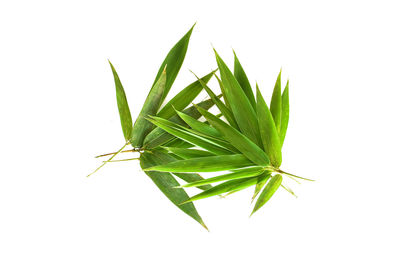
(113, 156)
(294, 176)
(119, 160)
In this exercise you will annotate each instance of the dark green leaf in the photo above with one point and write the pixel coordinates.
(188, 153)
(276, 103)
(246, 172)
(205, 164)
(153, 101)
(242, 110)
(167, 183)
(223, 91)
(268, 191)
(285, 112)
(174, 62)
(198, 125)
(123, 108)
(269, 134)
(242, 79)
(238, 140)
(183, 98)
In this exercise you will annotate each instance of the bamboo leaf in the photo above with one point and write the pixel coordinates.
(187, 153)
(229, 186)
(189, 137)
(237, 139)
(123, 107)
(221, 106)
(159, 137)
(205, 164)
(153, 101)
(276, 103)
(247, 172)
(285, 113)
(174, 60)
(262, 180)
(183, 98)
(242, 110)
(167, 183)
(198, 125)
(242, 79)
(223, 91)
(269, 134)
(268, 192)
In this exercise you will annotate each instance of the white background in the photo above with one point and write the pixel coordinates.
(58, 110)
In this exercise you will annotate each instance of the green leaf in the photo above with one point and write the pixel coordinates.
(187, 153)
(159, 137)
(174, 62)
(268, 192)
(123, 107)
(276, 103)
(247, 172)
(178, 143)
(242, 79)
(153, 101)
(223, 91)
(189, 137)
(187, 177)
(198, 125)
(183, 98)
(237, 139)
(205, 164)
(167, 183)
(242, 110)
(262, 180)
(229, 186)
(268, 132)
(221, 106)
(285, 112)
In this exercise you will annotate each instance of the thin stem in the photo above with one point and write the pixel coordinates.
(289, 190)
(295, 176)
(124, 151)
(119, 160)
(113, 156)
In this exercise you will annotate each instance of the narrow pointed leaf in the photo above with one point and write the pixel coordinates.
(198, 125)
(189, 137)
(244, 114)
(262, 180)
(167, 183)
(223, 91)
(276, 103)
(187, 153)
(205, 164)
(159, 137)
(237, 139)
(178, 143)
(153, 101)
(247, 172)
(285, 113)
(229, 186)
(174, 61)
(123, 107)
(242, 79)
(221, 106)
(268, 132)
(187, 177)
(268, 192)
(183, 98)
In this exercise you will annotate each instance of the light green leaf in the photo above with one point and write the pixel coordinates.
(276, 103)
(205, 164)
(242, 109)
(167, 183)
(268, 191)
(229, 186)
(242, 79)
(246, 172)
(223, 91)
(123, 107)
(153, 101)
(183, 98)
(198, 125)
(188, 153)
(262, 180)
(268, 132)
(285, 112)
(237, 139)
(174, 61)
